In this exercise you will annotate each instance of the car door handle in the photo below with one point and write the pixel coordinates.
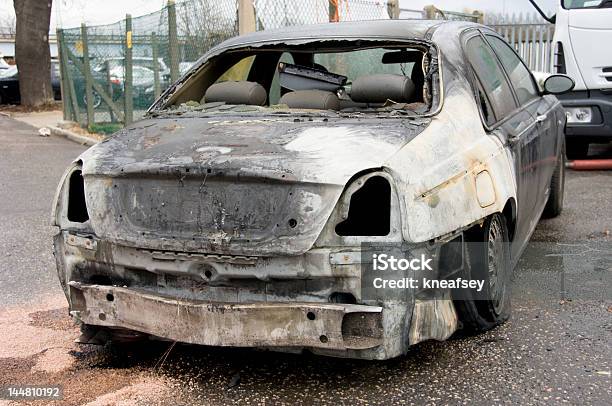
(541, 118)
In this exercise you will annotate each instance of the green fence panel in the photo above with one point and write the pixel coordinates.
(163, 46)
(89, 97)
(128, 81)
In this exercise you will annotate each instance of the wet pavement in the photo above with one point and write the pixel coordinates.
(555, 349)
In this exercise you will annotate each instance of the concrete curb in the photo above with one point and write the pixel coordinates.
(80, 139)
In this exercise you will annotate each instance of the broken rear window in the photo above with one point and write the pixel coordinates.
(334, 76)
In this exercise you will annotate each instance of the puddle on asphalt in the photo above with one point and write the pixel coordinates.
(566, 271)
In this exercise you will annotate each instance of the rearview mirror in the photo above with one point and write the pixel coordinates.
(403, 56)
(558, 84)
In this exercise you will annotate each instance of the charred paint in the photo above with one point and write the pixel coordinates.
(220, 221)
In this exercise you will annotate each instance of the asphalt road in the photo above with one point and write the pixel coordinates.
(555, 349)
(30, 169)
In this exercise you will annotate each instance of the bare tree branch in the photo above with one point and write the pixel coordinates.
(7, 24)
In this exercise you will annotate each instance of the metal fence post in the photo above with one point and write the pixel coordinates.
(246, 16)
(110, 90)
(128, 104)
(173, 41)
(393, 9)
(88, 78)
(63, 84)
(72, 97)
(334, 16)
(430, 12)
(155, 54)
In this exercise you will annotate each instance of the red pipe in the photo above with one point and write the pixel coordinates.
(590, 165)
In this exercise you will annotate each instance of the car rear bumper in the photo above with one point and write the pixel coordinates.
(280, 303)
(314, 325)
(600, 129)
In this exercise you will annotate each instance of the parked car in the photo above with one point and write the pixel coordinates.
(9, 83)
(149, 92)
(117, 66)
(3, 63)
(142, 79)
(114, 89)
(242, 210)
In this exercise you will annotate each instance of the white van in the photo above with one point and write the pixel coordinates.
(583, 50)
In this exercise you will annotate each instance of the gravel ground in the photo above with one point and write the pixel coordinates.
(555, 349)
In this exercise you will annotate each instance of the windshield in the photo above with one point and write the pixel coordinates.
(342, 78)
(576, 4)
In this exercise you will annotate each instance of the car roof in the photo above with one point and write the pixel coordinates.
(397, 28)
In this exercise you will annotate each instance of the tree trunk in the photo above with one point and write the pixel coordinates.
(32, 51)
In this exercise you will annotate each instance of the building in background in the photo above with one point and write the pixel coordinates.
(7, 46)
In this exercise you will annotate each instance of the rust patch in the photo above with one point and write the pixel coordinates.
(475, 167)
(172, 127)
(150, 141)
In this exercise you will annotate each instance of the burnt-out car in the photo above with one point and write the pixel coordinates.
(238, 211)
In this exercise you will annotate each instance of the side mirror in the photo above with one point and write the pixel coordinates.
(558, 84)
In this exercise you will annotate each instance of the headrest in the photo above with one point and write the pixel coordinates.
(231, 92)
(381, 87)
(311, 99)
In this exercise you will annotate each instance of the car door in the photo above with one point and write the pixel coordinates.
(514, 126)
(10, 88)
(56, 79)
(540, 108)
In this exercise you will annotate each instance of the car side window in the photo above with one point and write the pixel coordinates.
(491, 77)
(485, 105)
(520, 77)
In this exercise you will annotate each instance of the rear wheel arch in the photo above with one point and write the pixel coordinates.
(509, 213)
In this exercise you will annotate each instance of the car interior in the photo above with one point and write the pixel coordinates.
(312, 79)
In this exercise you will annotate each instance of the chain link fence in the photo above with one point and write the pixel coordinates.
(271, 14)
(112, 73)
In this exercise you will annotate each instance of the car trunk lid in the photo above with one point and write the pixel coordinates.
(238, 187)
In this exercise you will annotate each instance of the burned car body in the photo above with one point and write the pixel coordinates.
(233, 217)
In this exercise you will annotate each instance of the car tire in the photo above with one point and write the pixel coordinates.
(487, 258)
(577, 149)
(554, 205)
(96, 98)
